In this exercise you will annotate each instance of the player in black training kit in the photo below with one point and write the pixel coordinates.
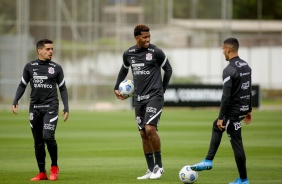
(235, 106)
(146, 61)
(44, 75)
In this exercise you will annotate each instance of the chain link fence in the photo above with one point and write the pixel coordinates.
(91, 35)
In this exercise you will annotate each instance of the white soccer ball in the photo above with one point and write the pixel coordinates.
(126, 88)
(187, 175)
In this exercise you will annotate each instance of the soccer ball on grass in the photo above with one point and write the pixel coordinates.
(126, 88)
(187, 175)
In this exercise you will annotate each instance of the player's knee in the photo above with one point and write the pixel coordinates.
(143, 135)
(150, 130)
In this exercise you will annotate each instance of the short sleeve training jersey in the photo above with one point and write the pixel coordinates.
(43, 77)
(237, 89)
(146, 64)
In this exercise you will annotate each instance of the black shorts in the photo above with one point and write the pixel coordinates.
(149, 113)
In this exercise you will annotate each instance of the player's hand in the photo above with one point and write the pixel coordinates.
(219, 124)
(119, 96)
(65, 116)
(248, 118)
(15, 109)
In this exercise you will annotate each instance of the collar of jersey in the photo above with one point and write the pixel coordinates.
(42, 62)
(235, 58)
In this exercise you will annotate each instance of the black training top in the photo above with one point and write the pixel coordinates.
(237, 90)
(146, 64)
(44, 76)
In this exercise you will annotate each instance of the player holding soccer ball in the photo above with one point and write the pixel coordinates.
(235, 106)
(146, 61)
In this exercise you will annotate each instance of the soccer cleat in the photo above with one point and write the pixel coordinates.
(204, 165)
(146, 176)
(239, 181)
(40, 176)
(157, 172)
(54, 173)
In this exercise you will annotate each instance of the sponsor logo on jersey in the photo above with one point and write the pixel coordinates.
(43, 86)
(149, 57)
(244, 108)
(40, 106)
(40, 77)
(245, 85)
(240, 64)
(138, 65)
(152, 50)
(34, 63)
(151, 109)
(144, 97)
(142, 72)
(34, 69)
(131, 50)
(245, 97)
(38, 82)
(243, 74)
(51, 70)
(137, 69)
(52, 64)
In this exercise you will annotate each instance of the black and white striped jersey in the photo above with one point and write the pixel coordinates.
(146, 65)
(237, 89)
(43, 76)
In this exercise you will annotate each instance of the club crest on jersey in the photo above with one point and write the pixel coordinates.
(149, 57)
(51, 70)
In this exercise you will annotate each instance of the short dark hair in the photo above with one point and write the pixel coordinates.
(40, 44)
(233, 43)
(140, 28)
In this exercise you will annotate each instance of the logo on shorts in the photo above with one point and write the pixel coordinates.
(151, 109)
(237, 125)
(138, 120)
(31, 116)
(49, 127)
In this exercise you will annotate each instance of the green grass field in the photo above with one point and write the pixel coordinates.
(105, 147)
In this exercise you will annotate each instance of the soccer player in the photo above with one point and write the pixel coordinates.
(146, 61)
(44, 75)
(235, 106)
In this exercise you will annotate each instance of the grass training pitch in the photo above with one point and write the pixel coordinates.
(105, 147)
